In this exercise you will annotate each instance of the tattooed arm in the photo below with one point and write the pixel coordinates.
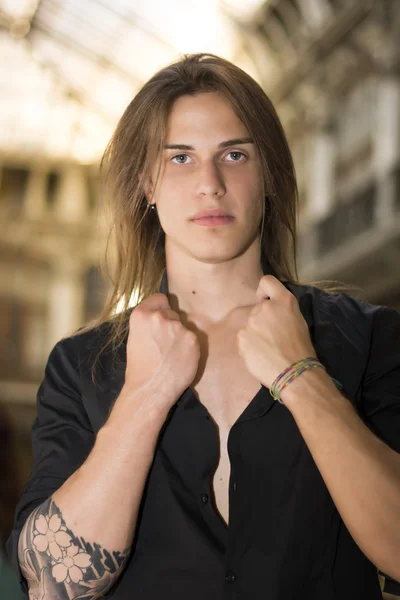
(75, 545)
(57, 564)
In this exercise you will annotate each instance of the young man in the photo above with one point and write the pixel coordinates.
(163, 466)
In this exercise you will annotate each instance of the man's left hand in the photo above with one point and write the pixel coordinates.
(276, 334)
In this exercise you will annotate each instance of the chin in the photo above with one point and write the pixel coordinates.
(213, 249)
(215, 255)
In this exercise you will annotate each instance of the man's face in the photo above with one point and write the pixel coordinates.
(207, 169)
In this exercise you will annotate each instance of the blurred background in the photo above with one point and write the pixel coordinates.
(69, 68)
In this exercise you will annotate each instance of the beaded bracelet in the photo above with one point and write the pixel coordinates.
(292, 372)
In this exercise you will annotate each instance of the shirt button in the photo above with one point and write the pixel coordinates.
(204, 498)
(230, 577)
(234, 486)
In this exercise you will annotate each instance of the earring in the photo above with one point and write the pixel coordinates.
(151, 206)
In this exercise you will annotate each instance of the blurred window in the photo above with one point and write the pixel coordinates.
(356, 123)
(13, 182)
(355, 117)
(22, 339)
(301, 153)
(95, 293)
(92, 191)
(52, 187)
(277, 14)
(10, 337)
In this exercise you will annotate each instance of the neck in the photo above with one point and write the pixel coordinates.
(213, 291)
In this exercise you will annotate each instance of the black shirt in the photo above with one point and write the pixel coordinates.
(285, 540)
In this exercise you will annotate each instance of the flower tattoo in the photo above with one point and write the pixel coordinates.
(52, 538)
(70, 568)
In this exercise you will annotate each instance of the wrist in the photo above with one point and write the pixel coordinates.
(145, 402)
(311, 382)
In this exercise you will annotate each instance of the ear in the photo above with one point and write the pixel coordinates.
(148, 190)
(147, 186)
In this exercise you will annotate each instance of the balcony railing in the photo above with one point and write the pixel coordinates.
(350, 219)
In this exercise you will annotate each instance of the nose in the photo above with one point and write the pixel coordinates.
(210, 182)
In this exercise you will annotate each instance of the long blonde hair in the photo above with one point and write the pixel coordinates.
(135, 148)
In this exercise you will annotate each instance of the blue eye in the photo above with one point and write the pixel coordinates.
(180, 156)
(237, 154)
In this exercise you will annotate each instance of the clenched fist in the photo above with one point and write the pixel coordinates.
(162, 354)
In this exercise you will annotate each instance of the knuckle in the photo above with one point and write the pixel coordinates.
(160, 297)
(134, 315)
(157, 316)
(189, 334)
(251, 323)
(288, 297)
(254, 316)
(176, 325)
(140, 308)
(191, 337)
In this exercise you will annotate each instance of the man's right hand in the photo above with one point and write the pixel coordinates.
(162, 354)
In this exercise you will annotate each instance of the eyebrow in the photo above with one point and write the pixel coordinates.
(226, 144)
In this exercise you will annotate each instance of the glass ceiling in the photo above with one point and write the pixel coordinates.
(68, 68)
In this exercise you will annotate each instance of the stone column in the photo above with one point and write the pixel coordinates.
(321, 188)
(66, 300)
(35, 197)
(72, 201)
(386, 153)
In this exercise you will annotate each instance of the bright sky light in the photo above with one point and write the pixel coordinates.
(65, 86)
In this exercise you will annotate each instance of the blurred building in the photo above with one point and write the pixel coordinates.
(68, 70)
(50, 282)
(332, 69)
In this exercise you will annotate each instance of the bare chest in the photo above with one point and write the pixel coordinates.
(225, 387)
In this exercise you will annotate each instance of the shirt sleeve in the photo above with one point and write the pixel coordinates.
(381, 390)
(62, 438)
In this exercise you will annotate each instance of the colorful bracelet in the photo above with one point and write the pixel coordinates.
(292, 372)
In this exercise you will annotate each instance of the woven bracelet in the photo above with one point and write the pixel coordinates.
(292, 372)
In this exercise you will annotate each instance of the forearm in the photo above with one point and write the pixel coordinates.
(95, 510)
(361, 472)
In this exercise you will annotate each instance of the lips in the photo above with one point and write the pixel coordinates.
(210, 213)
